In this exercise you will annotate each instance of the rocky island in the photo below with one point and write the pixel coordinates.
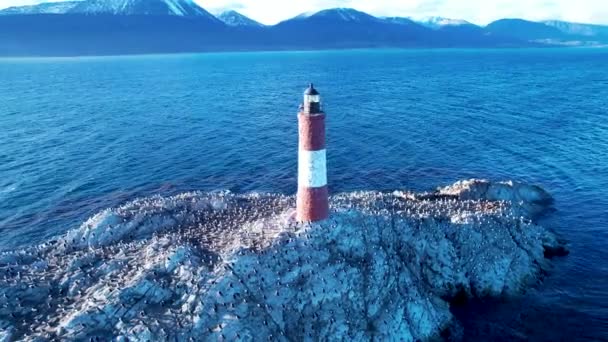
(221, 266)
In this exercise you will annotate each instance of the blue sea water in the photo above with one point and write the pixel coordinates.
(78, 135)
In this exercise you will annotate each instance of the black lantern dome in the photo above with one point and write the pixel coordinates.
(311, 90)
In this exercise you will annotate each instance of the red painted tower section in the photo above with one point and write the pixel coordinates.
(313, 202)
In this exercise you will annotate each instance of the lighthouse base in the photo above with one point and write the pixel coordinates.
(313, 204)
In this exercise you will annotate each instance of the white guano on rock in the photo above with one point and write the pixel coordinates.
(235, 267)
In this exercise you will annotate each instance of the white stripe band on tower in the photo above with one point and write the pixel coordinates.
(312, 169)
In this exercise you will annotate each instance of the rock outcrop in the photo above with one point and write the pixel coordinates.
(228, 267)
(532, 200)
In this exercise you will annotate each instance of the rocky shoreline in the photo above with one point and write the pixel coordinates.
(236, 267)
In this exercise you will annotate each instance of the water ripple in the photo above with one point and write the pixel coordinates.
(81, 135)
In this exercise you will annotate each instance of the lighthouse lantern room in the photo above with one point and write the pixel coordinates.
(312, 100)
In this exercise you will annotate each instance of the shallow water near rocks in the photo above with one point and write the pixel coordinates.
(83, 135)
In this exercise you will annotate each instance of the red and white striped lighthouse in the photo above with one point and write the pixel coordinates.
(313, 203)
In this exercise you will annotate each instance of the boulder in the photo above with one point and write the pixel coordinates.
(531, 199)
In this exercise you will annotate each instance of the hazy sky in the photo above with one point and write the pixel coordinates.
(477, 11)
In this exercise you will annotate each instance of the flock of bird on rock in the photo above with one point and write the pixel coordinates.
(220, 266)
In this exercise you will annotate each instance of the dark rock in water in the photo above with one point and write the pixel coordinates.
(228, 267)
(552, 251)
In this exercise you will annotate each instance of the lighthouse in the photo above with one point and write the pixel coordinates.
(312, 201)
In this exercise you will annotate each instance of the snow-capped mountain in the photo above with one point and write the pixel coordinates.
(578, 29)
(116, 7)
(341, 27)
(104, 27)
(234, 18)
(438, 22)
(338, 14)
(141, 7)
(43, 8)
(524, 30)
(399, 20)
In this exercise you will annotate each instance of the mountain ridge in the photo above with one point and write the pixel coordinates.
(234, 18)
(114, 7)
(63, 7)
(42, 8)
(93, 27)
(436, 22)
(587, 30)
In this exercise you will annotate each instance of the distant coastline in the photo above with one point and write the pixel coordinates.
(327, 50)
